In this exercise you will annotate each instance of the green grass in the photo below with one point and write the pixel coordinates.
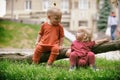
(109, 70)
(19, 35)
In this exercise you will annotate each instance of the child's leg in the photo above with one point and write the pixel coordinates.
(51, 59)
(73, 59)
(53, 54)
(91, 59)
(82, 62)
(37, 54)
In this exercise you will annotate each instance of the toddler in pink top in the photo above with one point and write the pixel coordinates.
(80, 53)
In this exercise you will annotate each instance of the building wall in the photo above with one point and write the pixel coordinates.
(115, 7)
(15, 5)
(2, 8)
(36, 5)
(83, 17)
(73, 17)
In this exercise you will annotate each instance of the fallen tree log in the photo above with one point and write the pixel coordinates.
(105, 47)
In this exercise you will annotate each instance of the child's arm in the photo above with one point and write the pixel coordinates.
(38, 39)
(61, 42)
(40, 33)
(101, 41)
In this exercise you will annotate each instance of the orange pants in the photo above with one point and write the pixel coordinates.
(40, 49)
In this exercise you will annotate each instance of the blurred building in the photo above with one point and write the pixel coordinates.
(116, 7)
(76, 13)
(2, 8)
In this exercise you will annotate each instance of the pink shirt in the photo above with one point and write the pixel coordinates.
(81, 48)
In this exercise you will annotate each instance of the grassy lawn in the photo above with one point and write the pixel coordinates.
(108, 70)
(19, 35)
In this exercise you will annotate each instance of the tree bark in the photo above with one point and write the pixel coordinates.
(105, 47)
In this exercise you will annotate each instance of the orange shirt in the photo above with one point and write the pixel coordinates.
(50, 35)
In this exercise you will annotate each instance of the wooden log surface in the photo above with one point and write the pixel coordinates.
(105, 47)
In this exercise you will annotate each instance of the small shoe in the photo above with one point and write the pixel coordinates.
(72, 68)
(94, 68)
(48, 66)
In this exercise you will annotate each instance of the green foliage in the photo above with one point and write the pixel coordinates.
(103, 15)
(19, 35)
(109, 70)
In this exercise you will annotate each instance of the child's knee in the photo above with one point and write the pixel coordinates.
(38, 50)
(91, 54)
(55, 50)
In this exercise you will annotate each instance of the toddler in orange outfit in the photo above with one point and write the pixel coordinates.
(50, 37)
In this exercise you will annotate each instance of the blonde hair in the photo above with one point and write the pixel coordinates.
(52, 11)
(87, 32)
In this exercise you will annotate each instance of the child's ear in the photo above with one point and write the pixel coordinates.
(85, 35)
(86, 38)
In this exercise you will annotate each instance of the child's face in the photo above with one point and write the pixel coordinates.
(80, 35)
(55, 19)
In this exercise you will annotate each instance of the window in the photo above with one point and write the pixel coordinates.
(28, 4)
(76, 5)
(65, 5)
(46, 4)
(66, 24)
(83, 4)
(83, 23)
(101, 4)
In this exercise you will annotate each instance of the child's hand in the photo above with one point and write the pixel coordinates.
(102, 41)
(68, 52)
(106, 40)
(36, 43)
(60, 47)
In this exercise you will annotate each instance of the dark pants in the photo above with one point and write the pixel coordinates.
(113, 28)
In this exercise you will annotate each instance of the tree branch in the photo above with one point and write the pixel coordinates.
(105, 47)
